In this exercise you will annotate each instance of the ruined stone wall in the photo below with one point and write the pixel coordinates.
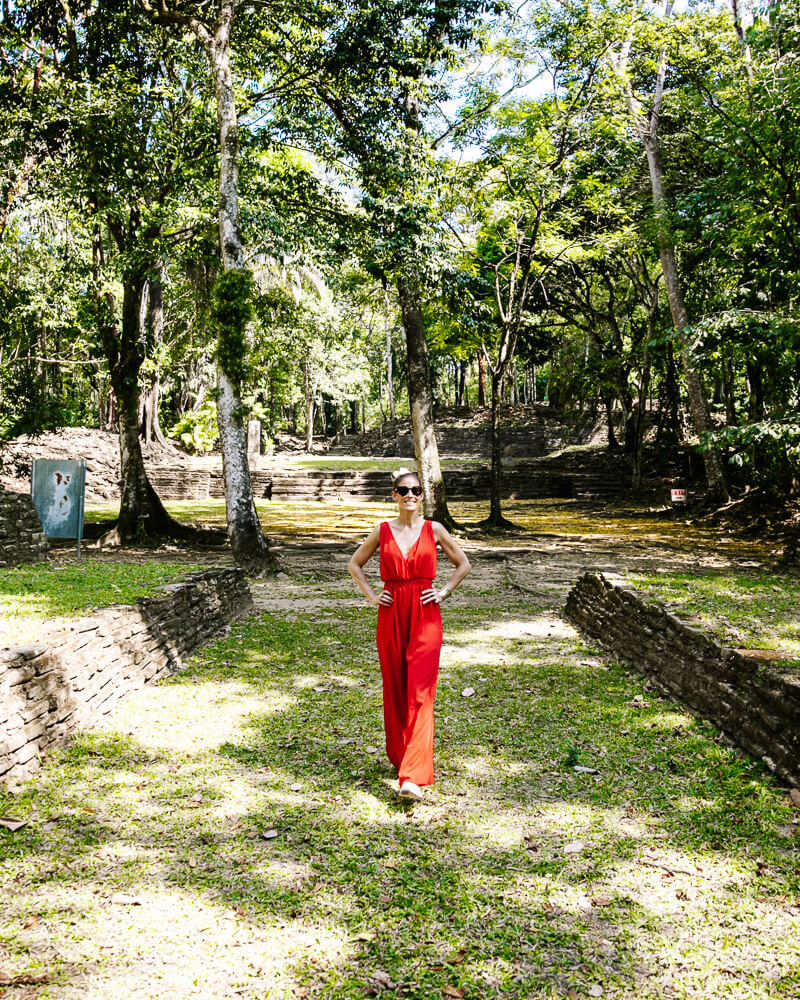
(751, 700)
(21, 537)
(50, 690)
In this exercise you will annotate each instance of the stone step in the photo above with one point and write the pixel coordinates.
(519, 482)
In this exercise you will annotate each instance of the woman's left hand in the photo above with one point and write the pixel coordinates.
(430, 596)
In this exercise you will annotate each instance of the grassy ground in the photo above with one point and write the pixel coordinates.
(754, 610)
(45, 596)
(234, 832)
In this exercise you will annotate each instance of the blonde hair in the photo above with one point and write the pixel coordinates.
(398, 474)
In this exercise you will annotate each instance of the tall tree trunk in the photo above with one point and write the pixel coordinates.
(481, 381)
(244, 529)
(755, 403)
(308, 397)
(149, 424)
(141, 512)
(647, 131)
(496, 521)
(389, 372)
(608, 402)
(420, 399)
(728, 383)
(644, 392)
(462, 383)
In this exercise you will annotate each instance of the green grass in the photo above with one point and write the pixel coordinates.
(687, 884)
(32, 596)
(742, 609)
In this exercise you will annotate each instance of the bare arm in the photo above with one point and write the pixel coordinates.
(457, 557)
(358, 561)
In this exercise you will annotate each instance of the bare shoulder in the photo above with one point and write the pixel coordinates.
(373, 538)
(440, 533)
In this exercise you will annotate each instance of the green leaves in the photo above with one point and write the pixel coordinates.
(231, 311)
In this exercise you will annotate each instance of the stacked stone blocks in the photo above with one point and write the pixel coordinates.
(50, 690)
(21, 537)
(753, 701)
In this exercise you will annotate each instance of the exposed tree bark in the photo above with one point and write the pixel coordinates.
(755, 404)
(641, 406)
(462, 383)
(389, 372)
(496, 521)
(729, 391)
(744, 45)
(611, 437)
(420, 397)
(141, 512)
(481, 381)
(309, 406)
(150, 397)
(250, 548)
(647, 131)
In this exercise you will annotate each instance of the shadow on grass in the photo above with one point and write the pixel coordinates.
(469, 891)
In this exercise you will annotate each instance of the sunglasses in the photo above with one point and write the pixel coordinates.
(403, 490)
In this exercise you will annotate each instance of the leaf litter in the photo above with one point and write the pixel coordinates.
(489, 838)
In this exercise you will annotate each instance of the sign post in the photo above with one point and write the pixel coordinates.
(57, 488)
(678, 496)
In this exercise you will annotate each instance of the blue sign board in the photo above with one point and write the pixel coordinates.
(57, 487)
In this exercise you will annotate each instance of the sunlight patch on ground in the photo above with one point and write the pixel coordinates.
(189, 717)
(544, 627)
(170, 943)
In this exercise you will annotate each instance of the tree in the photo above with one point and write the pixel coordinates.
(119, 166)
(232, 309)
(647, 130)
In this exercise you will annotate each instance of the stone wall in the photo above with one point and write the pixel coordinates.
(49, 691)
(21, 537)
(751, 700)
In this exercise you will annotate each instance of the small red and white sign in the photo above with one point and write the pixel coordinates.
(677, 496)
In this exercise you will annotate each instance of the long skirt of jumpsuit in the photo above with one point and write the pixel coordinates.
(409, 644)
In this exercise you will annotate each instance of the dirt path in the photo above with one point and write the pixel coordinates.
(234, 833)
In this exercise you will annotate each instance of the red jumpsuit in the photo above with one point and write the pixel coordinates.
(409, 644)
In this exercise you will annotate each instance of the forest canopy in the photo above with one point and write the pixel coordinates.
(579, 204)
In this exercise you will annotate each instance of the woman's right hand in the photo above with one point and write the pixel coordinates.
(386, 599)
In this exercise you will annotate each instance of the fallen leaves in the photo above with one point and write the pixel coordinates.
(29, 922)
(468, 692)
(457, 992)
(12, 824)
(24, 979)
(378, 981)
(794, 795)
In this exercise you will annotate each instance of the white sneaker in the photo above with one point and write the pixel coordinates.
(408, 790)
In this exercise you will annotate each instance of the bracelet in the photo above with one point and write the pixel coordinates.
(446, 592)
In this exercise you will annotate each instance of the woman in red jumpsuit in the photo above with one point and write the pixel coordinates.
(409, 626)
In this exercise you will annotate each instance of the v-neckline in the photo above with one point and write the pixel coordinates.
(397, 544)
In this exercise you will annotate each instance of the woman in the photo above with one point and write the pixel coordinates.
(409, 626)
